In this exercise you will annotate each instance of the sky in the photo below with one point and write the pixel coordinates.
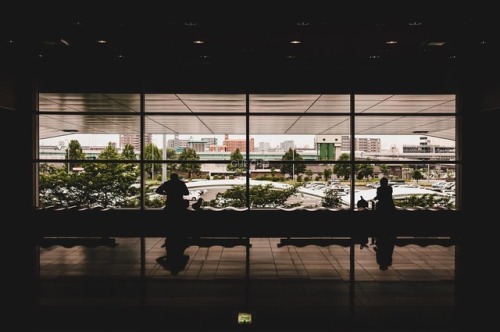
(387, 141)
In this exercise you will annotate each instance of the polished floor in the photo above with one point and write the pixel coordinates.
(286, 288)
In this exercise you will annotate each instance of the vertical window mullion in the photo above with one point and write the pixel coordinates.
(142, 154)
(352, 150)
(247, 155)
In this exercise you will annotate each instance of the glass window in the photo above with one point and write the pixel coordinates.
(299, 145)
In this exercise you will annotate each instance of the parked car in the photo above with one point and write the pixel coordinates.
(193, 195)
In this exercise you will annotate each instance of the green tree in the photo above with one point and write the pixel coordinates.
(100, 184)
(151, 152)
(128, 152)
(343, 170)
(364, 171)
(291, 155)
(260, 196)
(327, 173)
(331, 199)
(237, 164)
(417, 175)
(108, 184)
(190, 168)
(309, 173)
(426, 200)
(171, 155)
(74, 151)
(384, 169)
(53, 184)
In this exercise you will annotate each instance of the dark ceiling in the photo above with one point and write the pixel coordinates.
(235, 38)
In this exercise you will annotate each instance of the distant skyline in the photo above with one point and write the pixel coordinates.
(301, 141)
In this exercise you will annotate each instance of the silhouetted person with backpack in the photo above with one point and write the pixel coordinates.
(384, 233)
(176, 242)
(362, 205)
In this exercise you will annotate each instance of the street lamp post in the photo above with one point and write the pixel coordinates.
(152, 158)
(293, 163)
(164, 157)
(67, 155)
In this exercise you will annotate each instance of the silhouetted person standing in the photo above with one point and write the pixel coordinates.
(362, 205)
(176, 206)
(384, 234)
(175, 189)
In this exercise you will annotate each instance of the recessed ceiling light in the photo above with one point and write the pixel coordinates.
(290, 56)
(374, 57)
(483, 42)
(198, 41)
(414, 23)
(121, 56)
(436, 43)
(302, 23)
(40, 55)
(391, 42)
(10, 41)
(452, 56)
(102, 41)
(204, 57)
(295, 41)
(190, 23)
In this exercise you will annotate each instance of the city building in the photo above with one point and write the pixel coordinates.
(198, 146)
(328, 146)
(287, 145)
(264, 146)
(231, 144)
(178, 144)
(135, 140)
(361, 144)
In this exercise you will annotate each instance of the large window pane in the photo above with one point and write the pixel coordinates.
(91, 185)
(296, 135)
(405, 104)
(405, 137)
(414, 185)
(300, 104)
(195, 103)
(89, 102)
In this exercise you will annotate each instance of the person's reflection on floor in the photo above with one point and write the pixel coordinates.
(176, 242)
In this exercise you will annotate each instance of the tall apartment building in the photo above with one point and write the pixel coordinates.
(287, 145)
(177, 143)
(361, 144)
(135, 140)
(264, 146)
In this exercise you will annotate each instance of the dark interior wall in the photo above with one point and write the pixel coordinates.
(16, 186)
(7, 94)
(490, 99)
(252, 77)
